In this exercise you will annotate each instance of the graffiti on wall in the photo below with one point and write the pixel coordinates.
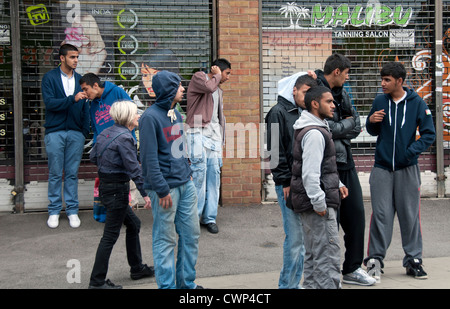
(420, 62)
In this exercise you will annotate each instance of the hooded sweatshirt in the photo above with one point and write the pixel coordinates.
(99, 110)
(286, 86)
(313, 149)
(284, 113)
(163, 153)
(397, 146)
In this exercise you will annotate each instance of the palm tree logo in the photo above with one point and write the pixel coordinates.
(292, 10)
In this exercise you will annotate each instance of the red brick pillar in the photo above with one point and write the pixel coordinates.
(238, 41)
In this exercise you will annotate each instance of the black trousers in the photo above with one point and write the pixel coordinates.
(114, 196)
(351, 218)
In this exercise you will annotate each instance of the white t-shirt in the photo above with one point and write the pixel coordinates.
(68, 83)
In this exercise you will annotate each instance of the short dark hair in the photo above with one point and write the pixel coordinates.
(65, 48)
(305, 80)
(314, 93)
(222, 63)
(336, 61)
(394, 69)
(90, 79)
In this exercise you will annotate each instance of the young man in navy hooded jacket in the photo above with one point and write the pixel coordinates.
(167, 180)
(395, 178)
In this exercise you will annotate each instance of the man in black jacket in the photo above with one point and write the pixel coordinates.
(291, 94)
(345, 125)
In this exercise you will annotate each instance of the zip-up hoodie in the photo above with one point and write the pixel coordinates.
(397, 146)
(284, 113)
(99, 110)
(313, 150)
(163, 153)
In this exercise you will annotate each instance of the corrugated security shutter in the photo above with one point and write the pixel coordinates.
(298, 36)
(124, 42)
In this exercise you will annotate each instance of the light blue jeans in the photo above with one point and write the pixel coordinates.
(181, 219)
(293, 247)
(205, 157)
(64, 152)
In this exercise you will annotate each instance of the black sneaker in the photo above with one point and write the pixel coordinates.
(211, 227)
(146, 271)
(107, 285)
(415, 269)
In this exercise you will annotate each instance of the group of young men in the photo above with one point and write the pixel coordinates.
(183, 188)
(316, 180)
(317, 184)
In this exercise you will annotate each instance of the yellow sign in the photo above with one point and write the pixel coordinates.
(38, 14)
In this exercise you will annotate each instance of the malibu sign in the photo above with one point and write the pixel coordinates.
(370, 15)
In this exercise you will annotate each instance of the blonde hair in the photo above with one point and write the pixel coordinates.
(123, 112)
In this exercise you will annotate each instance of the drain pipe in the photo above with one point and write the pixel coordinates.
(18, 192)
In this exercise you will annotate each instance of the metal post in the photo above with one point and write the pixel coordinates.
(17, 99)
(261, 103)
(440, 175)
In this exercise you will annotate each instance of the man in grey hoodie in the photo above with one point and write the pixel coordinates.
(316, 190)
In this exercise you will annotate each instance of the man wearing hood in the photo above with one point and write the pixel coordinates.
(167, 180)
(281, 117)
(395, 178)
(316, 190)
(345, 125)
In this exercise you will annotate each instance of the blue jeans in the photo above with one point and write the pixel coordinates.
(64, 151)
(114, 196)
(293, 247)
(181, 219)
(205, 164)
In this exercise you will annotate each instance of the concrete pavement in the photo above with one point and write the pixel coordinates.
(245, 254)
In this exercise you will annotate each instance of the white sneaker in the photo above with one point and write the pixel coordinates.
(74, 221)
(53, 221)
(359, 277)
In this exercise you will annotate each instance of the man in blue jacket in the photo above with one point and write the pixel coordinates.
(395, 178)
(167, 179)
(102, 96)
(66, 127)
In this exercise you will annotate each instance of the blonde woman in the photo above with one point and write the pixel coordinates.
(115, 154)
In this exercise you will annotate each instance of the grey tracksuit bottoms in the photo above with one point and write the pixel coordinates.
(321, 268)
(391, 193)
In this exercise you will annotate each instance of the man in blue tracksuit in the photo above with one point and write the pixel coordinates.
(167, 180)
(66, 127)
(395, 178)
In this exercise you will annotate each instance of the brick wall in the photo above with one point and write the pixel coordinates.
(238, 41)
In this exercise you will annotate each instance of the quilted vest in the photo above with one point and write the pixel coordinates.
(329, 179)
